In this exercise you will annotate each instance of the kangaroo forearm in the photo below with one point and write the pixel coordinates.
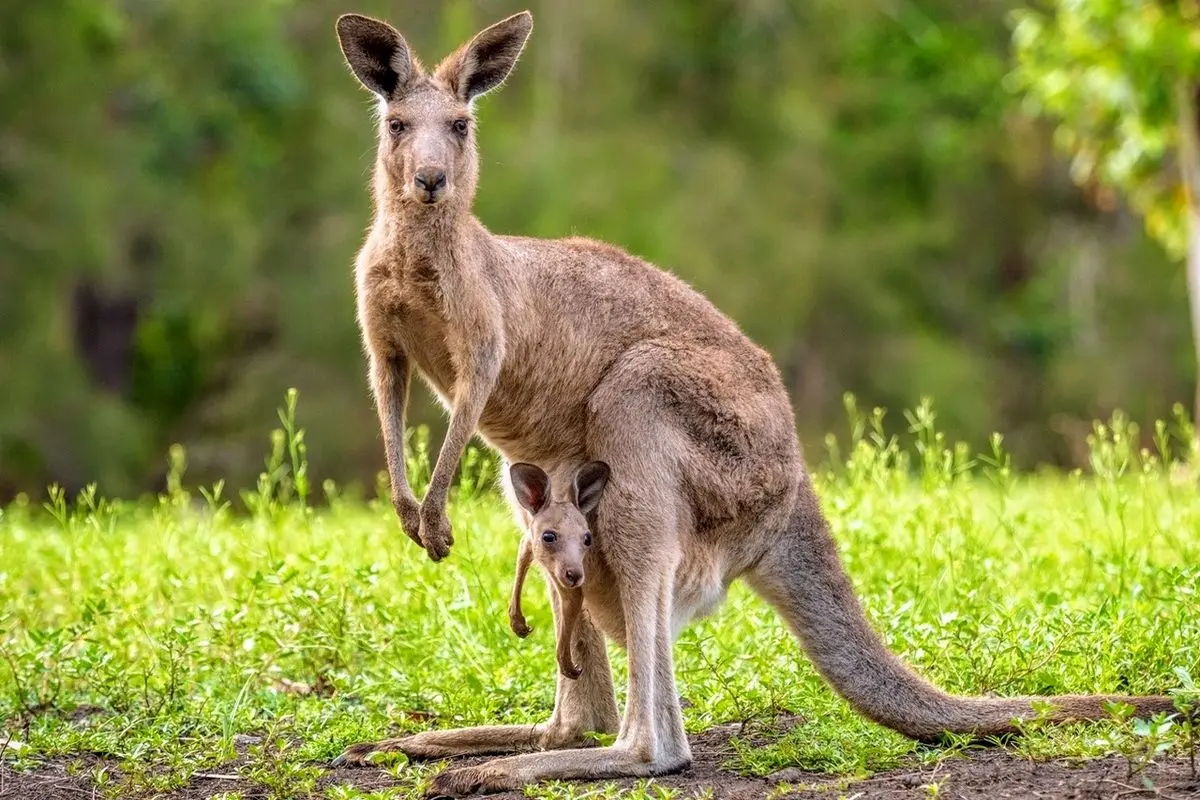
(391, 377)
(462, 427)
(463, 422)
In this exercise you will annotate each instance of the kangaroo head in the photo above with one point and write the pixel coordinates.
(559, 528)
(427, 150)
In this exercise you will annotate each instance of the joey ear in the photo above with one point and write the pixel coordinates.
(377, 54)
(590, 480)
(483, 63)
(531, 485)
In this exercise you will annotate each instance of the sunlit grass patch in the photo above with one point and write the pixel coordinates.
(169, 639)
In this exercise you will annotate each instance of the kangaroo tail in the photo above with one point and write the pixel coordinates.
(803, 578)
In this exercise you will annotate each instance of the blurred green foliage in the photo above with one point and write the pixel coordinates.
(183, 186)
(1120, 77)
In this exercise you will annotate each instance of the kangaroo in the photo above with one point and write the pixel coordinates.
(565, 351)
(558, 536)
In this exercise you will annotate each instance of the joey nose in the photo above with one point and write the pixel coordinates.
(430, 181)
(573, 577)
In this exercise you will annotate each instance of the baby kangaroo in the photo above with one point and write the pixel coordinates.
(557, 534)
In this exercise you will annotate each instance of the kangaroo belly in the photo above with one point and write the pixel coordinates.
(700, 585)
(602, 602)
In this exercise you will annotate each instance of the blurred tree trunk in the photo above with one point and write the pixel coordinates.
(1193, 273)
(1189, 161)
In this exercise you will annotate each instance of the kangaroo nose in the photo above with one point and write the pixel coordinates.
(430, 179)
(574, 576)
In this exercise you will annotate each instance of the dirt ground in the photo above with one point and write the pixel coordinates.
(982, 774)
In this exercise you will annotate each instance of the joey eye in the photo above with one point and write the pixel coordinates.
(587, 540)
(396, 126)
(460, 126)
(549, 537)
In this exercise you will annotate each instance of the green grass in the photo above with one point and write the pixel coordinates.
(158, 635)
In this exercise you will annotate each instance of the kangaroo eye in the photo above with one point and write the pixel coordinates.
(395, 126)
(549, 537)
(460, 126)
(587, 540)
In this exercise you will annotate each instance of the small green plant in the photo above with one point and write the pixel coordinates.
(1140, 741)
(417, 458)
(269, 766)
(478, 473)
(1155, 736)
(1187, 703)
(285, 478)
(601, 739)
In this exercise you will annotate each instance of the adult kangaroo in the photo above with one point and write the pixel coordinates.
(560, 352)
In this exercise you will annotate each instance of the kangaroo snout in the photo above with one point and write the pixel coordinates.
(573, 577)
(430, 183)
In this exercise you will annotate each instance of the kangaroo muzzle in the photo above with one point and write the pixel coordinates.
(430, 184)
(571, 577)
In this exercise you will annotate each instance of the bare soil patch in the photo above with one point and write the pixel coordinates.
(978, 775)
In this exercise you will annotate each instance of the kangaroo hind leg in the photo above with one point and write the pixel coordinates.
(637, 531)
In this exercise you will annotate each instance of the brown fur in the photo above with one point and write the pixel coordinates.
(558, 352)
(558, 537)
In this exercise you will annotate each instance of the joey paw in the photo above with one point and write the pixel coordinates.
(521, 628)
(436, 534)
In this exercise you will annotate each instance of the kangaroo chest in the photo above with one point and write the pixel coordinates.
(402, 309)
(422, 337)
(527, 415)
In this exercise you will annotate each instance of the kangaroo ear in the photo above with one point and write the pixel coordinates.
(483, 63)
(377, 54)
(531, 485)
(590, 480)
